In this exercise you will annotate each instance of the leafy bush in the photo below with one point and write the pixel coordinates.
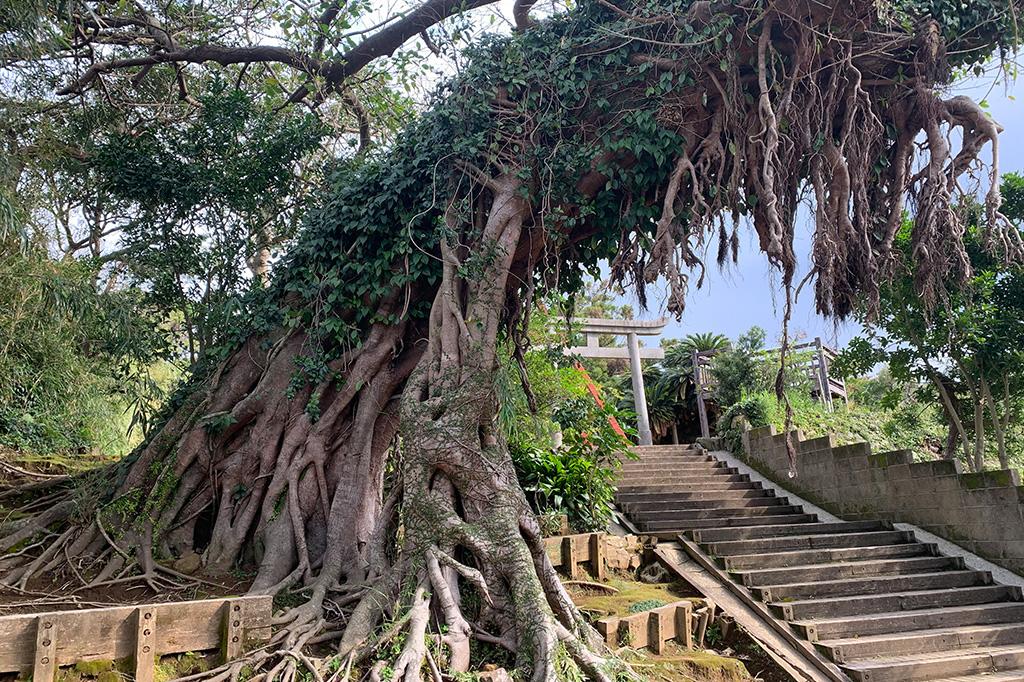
(904, 425)
(741, 369)
(753, 411)
(72, 360)
(646, 605)
(577, 478)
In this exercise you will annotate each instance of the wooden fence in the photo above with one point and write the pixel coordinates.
(39, 643)
(569, 551)
(651, 629)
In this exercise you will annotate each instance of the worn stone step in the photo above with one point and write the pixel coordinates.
(872, 585)
(725, 512)
(905, 621)
(921, 641)
(781, 530)
(1015, 675)
(680, 447)
(659, 523)
(678, 466)
(643, 494)
(674, 460)
(768, 577)
(675, 486)
(930, 666)
(695, 480)
(809, 557)
(760, 545)
(666, 502)
(862, 604)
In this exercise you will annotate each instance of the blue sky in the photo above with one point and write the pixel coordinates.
(749, 294)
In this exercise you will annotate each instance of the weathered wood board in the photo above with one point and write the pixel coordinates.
(39, 643)
(568, 551)
(650, 629)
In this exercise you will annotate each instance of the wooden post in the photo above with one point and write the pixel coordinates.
(233, 630)
(145, 644)
(684, 629)
(597, 559)
(702, 409)
(826, 387)
(609, 628)
(569, 557)
(45, 664)
(656, 628)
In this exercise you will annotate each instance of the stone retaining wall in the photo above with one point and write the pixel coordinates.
(982, 513)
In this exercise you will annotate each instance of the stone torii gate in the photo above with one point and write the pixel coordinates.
(594, 327)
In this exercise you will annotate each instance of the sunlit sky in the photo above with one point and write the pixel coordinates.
(749, 293)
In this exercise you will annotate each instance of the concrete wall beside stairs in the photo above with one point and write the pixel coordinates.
(983, 513)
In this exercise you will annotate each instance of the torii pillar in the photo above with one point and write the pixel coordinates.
(632, 329)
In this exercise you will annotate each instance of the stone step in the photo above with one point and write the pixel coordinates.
(644, 495)
(667, 502)
(813, 557)
(760, 545)
(893, 602)
(930, 666)
(1015, 675)
(873, 585)
(685, 488)
(921, 641)
(696, 480)
(725, 512)
(671, 463)
(659, 523)
(677, 466)
(680, 447)
(784, 529)
(769, 577)
(904, 621)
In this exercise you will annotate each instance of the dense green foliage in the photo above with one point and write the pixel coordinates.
(208, 200)
(74, 364)
(968, 354)
(566, 452)
(578, 477)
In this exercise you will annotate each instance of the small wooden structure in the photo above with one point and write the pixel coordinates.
(814, 357)
(39, 643)
(651, 629)
(569, 551)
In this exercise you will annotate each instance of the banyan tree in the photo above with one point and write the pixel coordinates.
(342, 445)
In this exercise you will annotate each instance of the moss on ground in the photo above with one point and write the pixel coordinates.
(601, 603)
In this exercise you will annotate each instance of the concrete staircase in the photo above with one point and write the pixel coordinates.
(872, 600)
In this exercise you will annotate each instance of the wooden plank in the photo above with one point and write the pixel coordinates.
(633, 631)
(110, 633)
(656, 634)
(45, 664)
(145, 644)
(609, 629)
(597, 558)
(234, 642)
(569, 557)
(683, 619)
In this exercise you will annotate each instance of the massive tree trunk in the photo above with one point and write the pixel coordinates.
(346, 448)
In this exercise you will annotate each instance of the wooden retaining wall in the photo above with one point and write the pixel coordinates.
(651, 629)
(39, 643)
(569, 551)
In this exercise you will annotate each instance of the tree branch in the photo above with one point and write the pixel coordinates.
(334, 72)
